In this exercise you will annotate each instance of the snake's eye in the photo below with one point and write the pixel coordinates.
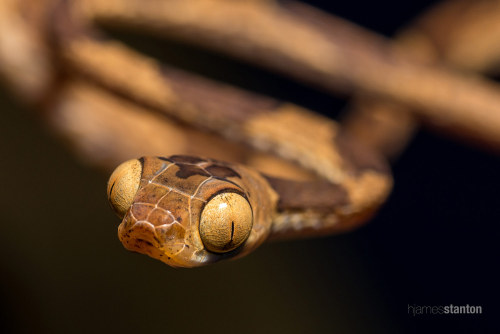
(123, 185)
(226, 222)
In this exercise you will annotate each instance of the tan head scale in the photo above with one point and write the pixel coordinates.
(187, 211)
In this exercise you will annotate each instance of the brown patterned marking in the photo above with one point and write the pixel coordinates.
(302, 195)
(152, 168)
(63, 23)
(175, 178)
(165, 159)
(222, 171)
(358, 158)
(221, 101)
(186, 159)
(139, 241)
(186, 171)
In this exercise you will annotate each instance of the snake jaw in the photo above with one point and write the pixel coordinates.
(165, 243)
(138, 238)
(157, 242)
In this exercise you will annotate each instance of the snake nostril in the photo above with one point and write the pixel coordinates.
(139, 241)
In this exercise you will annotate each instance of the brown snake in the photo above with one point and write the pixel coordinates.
(188, 210)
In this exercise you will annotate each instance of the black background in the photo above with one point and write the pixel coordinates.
(434, 242)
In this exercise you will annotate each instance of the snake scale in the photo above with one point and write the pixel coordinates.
(211, 194)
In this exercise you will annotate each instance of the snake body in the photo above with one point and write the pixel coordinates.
(165, 202)
(207, 194)
(170, 205)
(187, 210)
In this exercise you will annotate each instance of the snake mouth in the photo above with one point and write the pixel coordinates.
(164, 243)
(141, 238)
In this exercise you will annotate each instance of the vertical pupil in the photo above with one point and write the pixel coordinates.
(232, 230)
(218, 220)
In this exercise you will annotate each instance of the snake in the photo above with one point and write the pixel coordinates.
(190, 211)
(235, 169)
(238, 169)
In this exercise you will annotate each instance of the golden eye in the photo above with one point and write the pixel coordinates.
(123, 185)
(226, 222)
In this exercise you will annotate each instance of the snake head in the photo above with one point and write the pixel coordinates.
(187, 211)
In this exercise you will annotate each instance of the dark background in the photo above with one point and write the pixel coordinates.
(63, 270)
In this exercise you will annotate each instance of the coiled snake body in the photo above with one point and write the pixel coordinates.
(113, 102)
